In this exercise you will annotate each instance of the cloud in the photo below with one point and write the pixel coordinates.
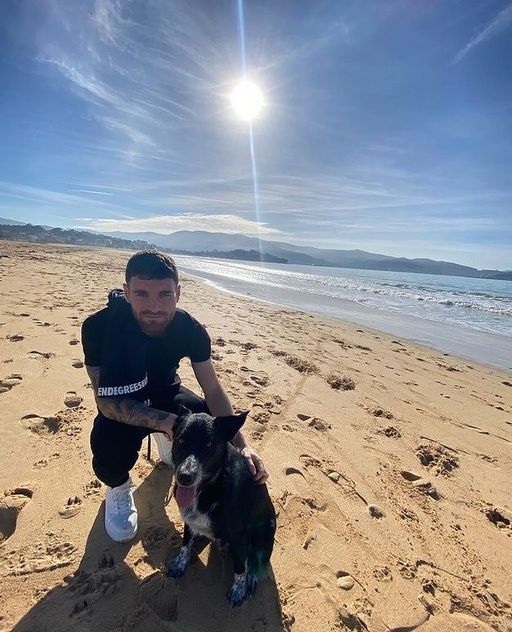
(165, 224)
(502, 21)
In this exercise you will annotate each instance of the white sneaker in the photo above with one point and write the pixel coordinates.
(120, 512)
(164, 447)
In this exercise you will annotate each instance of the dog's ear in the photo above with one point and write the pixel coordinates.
(183, 411)
(228, 426)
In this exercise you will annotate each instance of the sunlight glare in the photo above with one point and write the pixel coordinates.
(247, 100)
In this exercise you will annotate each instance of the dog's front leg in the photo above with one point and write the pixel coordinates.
(180, 563)
(239, 590)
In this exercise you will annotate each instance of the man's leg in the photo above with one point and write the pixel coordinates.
(115, 447)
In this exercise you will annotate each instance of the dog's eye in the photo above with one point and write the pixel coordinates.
(208, 444)
(180, 441)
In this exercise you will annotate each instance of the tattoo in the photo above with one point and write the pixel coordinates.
(123, 409)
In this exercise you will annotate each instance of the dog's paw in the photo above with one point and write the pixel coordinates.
(252, 585)
(242, 588)
(179, 565)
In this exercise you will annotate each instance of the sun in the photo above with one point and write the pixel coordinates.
(247, 100)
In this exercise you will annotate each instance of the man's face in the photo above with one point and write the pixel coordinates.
(153, 303)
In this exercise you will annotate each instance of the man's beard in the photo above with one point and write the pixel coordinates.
(153, 326)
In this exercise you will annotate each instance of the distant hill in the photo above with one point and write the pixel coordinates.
(45, 235)
(11, 222)
(42, 235)
(204, 241)
(235, 246)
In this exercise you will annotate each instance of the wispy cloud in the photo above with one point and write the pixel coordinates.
(91, 192)
(501, 22)
(57, 199)
(165, 224)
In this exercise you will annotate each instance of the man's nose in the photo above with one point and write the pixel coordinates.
(153, 304)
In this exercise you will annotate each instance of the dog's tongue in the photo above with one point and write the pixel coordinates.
(185, 496)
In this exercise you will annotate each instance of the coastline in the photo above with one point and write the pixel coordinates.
(389, 469)
(487, 349)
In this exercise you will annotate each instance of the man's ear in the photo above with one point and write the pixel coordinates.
(178, 292)
(126, 290)
(228, 426)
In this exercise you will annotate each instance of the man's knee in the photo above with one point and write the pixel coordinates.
(116, 443)
(115, 449)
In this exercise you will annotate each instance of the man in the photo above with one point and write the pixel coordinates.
(132, 351)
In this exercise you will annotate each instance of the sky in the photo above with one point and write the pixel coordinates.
(386, 125)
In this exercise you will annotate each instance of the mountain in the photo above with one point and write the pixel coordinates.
(43, 235)
(235, 246)
(203, 241)
(11, 222)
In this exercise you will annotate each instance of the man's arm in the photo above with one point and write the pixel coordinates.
(215, 396)
(220, 406)
(130, 411)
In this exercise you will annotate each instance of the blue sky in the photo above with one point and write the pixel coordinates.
(387, 125)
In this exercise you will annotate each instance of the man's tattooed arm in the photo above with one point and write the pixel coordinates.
(129, 411)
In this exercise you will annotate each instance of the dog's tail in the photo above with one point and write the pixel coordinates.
(261, 544)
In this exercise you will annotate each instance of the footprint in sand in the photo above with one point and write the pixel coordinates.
(44, 462)
(315, 422)
(42, 425)
(306, 494)
(390, 431)
(344, 580)
(499, 517)
(92, 487)
(440, 459)
(157, 593)
(34, 355)
(257, 377)
(77, 364)
(16, 338)
(72, 507)
(74, 341)
(9, 382)
(246, 347)
(11, 504)
(380, 412)
(383, 574)
(92, 587)
(340, 382)
(422, 485)
(376, 512)
(72, 400)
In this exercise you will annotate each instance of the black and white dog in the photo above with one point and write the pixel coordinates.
(218, 498)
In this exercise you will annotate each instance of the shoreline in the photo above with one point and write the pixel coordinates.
(453, 338)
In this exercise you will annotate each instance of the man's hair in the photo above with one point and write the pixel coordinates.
(151, 264)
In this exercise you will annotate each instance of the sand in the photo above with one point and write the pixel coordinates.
(390, 470)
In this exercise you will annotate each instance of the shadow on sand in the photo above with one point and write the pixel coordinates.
(106, 594)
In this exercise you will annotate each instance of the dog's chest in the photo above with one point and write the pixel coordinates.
(198, 521)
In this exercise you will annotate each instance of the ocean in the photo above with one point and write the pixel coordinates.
(469, 317)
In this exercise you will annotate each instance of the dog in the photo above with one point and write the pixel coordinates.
(218, 498)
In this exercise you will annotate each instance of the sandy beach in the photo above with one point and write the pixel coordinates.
(390, 470)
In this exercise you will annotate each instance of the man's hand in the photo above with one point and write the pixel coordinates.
(255, 465)
(166, 425)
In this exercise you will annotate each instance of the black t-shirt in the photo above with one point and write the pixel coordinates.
(184, 337)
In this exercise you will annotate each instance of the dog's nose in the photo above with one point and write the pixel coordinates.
(185, 478)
